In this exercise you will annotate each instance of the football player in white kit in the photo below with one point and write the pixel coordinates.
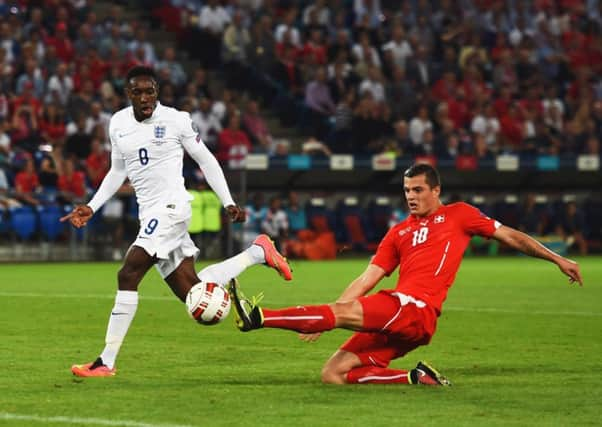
(147, 146)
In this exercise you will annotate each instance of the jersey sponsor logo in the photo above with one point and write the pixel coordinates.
(159, 131)
(404, 231)
(123, 134)
(425, 222)
(439, 219)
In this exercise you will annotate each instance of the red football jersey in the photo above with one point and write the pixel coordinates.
(429, 250)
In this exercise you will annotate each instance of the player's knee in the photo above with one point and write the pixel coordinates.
(332, 376)
(348, 314)
(127, 278)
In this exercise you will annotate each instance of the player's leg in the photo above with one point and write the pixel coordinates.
(182, 278)
(261, 251)
(137, 262)
(305, 319)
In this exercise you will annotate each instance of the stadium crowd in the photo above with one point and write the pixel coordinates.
(413, 78)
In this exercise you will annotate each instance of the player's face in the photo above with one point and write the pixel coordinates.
(422, 199)
(142, 93)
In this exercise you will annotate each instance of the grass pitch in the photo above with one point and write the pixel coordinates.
(521, 346)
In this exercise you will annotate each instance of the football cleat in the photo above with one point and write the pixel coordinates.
(273, 258)
(93, 369)
(427, 375)
(248, 314)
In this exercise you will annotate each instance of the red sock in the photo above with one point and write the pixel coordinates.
(377, 375)
(305, 319)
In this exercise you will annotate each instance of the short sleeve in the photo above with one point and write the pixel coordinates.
(387, 255)
(475, 222)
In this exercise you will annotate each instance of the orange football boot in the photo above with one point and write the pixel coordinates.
(273, 258)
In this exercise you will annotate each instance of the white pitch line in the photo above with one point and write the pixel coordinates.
(445, 308)
(536, 312)
(76, 296)
(81, 421)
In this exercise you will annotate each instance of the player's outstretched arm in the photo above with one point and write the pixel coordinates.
(236, 213)
(362, 284)
(526, 244)
(79, 216)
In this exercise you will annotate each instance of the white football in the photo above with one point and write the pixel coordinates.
(208, 303)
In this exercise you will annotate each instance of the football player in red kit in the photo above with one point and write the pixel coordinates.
(428, 248)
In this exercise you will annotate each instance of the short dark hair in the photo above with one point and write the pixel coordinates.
(432, 176)
(140, 70)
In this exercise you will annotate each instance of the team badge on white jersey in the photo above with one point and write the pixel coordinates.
(159, 131)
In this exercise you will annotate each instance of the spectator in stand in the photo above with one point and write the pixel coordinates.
(275, 222)
(25, 129)
(340, 81)
(71, 183)
(572, 227)
(60, 85)
(79, 142)
(553, 109)
(320, 10)
(287, 71)
(420, 69)
(52, 125)
(399, 46)
(531, 219)
(419, 124)
(27, 185)
(256, 127)
(295, 213)
(9, 42)
(212, 22)
(6, 201)
(317, 94)
(112, 43)
(233, 143)
(235, 47)
(207, 123)
(365, 54)
(140, 43)
(512, 129)
(97, 117)
(61, 43)
(5, 141)
(486, 124)
(255, 212)
(288, 26)
(97, 163)
(175, 71)
(31, 77)
(261, 50)
(373, 83)
(314, 50)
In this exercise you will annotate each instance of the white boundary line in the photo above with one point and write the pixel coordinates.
(81, 421)
(445, 308)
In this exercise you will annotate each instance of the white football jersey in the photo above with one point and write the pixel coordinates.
(153, 152)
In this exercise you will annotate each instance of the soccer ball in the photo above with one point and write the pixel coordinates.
(208, 303)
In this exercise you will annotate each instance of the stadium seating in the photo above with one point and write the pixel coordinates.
(23, 222)
(50, 226)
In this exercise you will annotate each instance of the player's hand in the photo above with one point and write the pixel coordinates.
(236, 214)
(79, 216)
(310, 337)
(571, 269)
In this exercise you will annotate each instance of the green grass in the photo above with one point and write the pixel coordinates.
(522, 347)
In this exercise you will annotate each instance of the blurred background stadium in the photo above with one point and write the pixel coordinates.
(314, 109)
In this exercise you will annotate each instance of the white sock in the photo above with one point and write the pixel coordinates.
(222, 272)
(126, 303)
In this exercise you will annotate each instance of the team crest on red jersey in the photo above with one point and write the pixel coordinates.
(439, 219)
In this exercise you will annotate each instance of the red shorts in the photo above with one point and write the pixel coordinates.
(392, 328)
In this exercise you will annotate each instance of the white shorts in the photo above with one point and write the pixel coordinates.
(164, 234)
